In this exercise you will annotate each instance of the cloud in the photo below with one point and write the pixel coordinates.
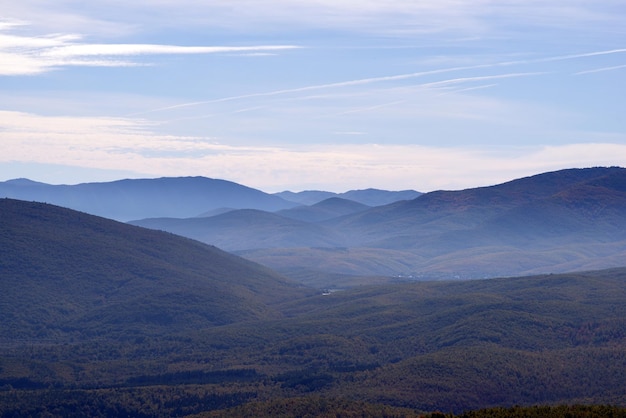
(459, 18)
(89, 50)
(402, 77)
(391, 17)
(30, 55)
(598, 70)
(127, 145)
(351, 83)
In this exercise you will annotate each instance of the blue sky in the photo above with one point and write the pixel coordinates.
(311, 94)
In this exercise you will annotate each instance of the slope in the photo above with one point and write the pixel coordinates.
(444, 211)
(66, 274)
(330, 208)
(247, 229)
(553, 222)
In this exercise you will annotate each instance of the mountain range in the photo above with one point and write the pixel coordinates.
(180, 197)
(125, 200)
(102, 318)
(368, 197)
(559, 221)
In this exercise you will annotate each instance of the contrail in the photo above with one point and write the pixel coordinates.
(316, 87)
(364, 81)
(435, 84)
(597, 70)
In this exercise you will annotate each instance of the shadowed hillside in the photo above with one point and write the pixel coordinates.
(66, 274)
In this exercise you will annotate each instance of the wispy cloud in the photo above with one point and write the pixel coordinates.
(599, 70)
(349, 83)
(400, 77)
(30, 55)
(463, 17)
(89, 50)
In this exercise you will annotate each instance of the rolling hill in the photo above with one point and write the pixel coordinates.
(560, 221)
(247, 229)
(330, 208)
(68, 275)
(125, 200)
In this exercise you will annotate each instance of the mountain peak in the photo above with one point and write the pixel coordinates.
(23, 182)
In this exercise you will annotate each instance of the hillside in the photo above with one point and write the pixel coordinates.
(330, 208)
(553, 222)
(443, 211)
(247, 229)
(68, 275)
(146, 198)
(377, 197)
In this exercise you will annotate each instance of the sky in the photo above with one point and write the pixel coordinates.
(311, 94)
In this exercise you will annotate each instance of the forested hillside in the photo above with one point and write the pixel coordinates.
(101, 318)
(69, 275)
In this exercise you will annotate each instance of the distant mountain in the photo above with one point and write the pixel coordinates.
(559, 221)
(444, 212)
(247, 229)
(68, 275)
(215, 212)
(369, 197)
(330, 208)
(553, 222)
(376, 197)
(135, 199)
(307, 197)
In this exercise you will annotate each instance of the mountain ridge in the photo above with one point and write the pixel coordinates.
(129, 199)
(549, 222)
(368, 197)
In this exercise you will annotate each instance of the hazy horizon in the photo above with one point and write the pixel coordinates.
(311, 95)
(278, 190)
